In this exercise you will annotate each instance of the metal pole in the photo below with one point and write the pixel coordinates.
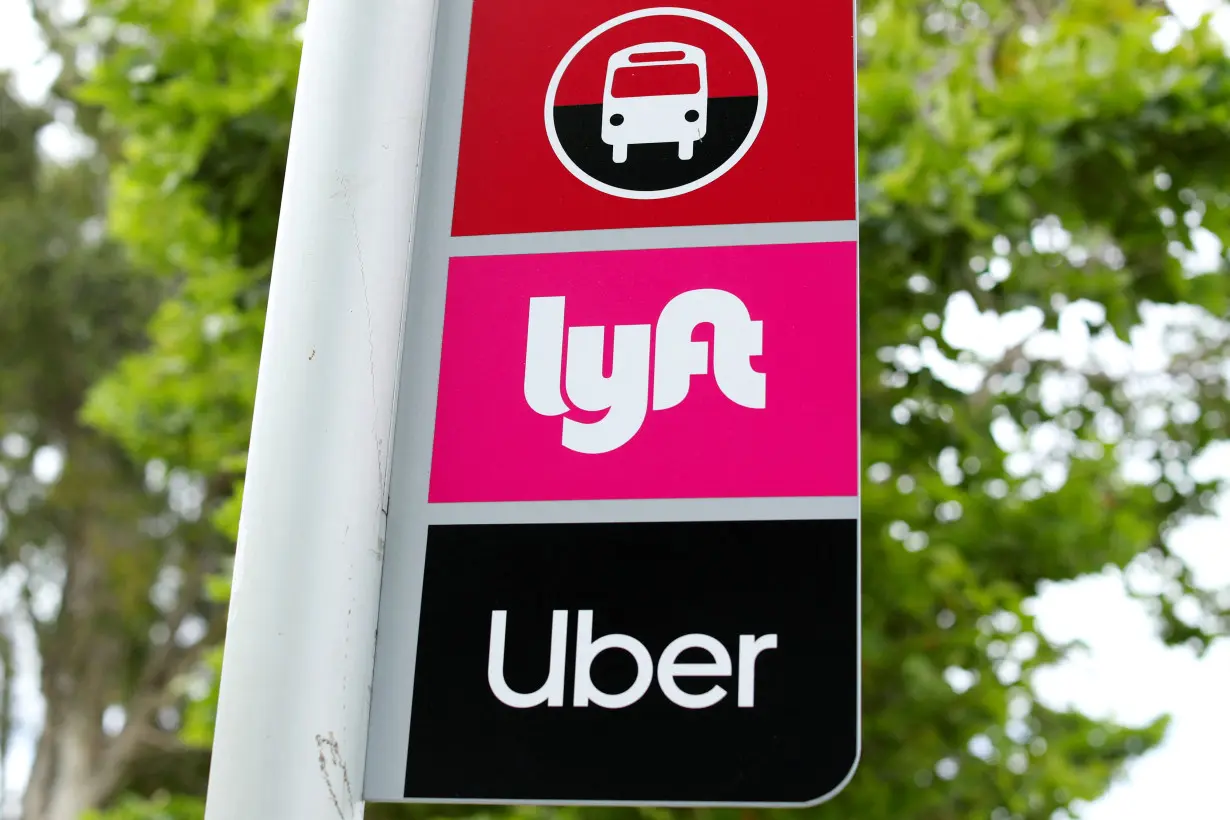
(293, 709)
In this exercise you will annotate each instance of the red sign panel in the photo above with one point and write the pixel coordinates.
(605, 114)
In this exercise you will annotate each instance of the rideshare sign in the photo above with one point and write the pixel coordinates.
(622, 559)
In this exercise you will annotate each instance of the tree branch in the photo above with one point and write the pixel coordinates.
(165, 664)
(1003, 367)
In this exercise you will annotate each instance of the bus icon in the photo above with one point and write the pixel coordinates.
(655, 93)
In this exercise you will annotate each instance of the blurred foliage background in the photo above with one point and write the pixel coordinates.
(1038, 160)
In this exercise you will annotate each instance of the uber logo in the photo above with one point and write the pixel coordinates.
(669, 666)
(636, 662)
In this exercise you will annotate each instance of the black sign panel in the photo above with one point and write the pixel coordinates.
(701, 662)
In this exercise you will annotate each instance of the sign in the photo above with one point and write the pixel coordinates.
(779, 133)
(594, 367)
(656, 101)
(622, 558)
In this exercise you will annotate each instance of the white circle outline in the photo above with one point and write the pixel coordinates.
(762, 89)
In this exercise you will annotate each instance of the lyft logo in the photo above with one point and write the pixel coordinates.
(625, 393)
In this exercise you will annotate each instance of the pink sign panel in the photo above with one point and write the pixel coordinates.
(681, 373)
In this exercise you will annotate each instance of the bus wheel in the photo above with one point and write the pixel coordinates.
(685, 149)
(620, 153)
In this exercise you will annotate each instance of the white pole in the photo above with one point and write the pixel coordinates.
(293, 709)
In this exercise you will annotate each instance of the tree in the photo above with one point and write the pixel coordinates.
(102, 558)
(1042, 164)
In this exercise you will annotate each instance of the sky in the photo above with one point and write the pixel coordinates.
(1126, 673)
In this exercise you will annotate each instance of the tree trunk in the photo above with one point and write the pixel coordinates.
(98, 653)
(62, 786)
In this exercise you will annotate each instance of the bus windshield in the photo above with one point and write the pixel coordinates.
(656, 80)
